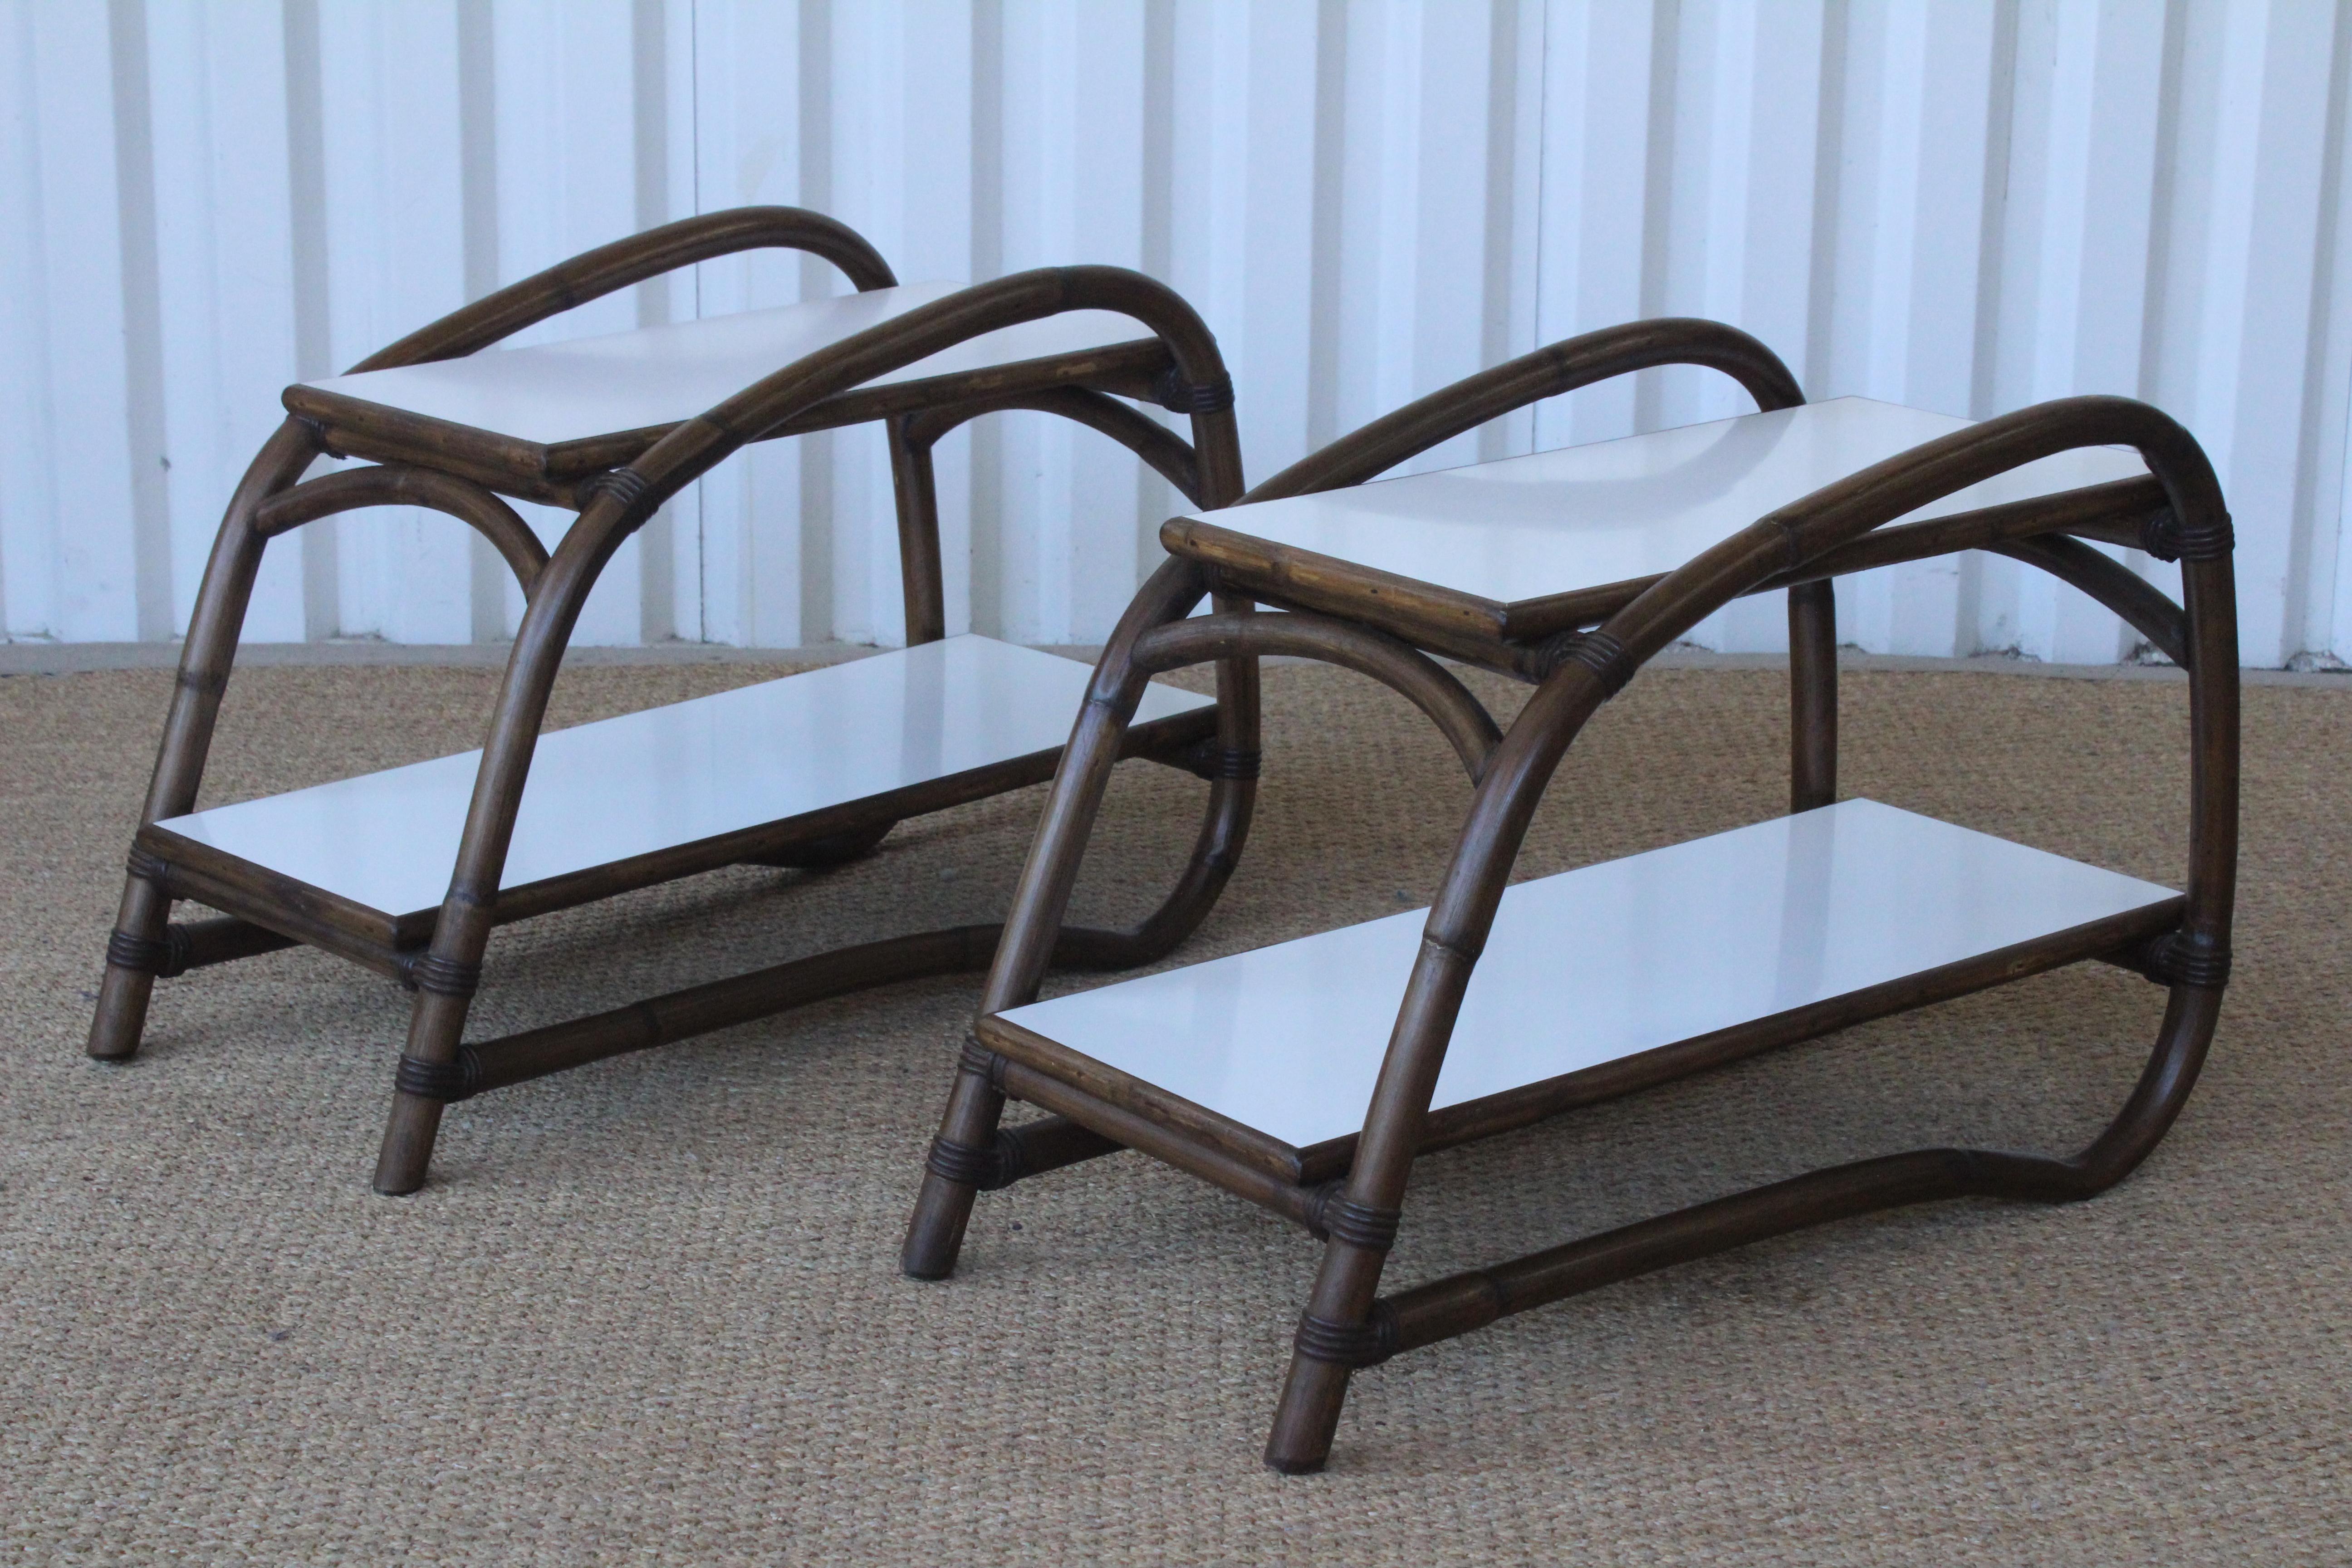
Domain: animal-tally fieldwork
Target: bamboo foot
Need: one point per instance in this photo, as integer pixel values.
(935, 1234)
(408, 1151)
(1307, 1418)
(122, 1017)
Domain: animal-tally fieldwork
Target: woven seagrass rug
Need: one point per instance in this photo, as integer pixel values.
(647, 1311)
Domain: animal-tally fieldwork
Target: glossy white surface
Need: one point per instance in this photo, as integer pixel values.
(676, 774)
(569, 391)
(1589, 965)
(1577, 517)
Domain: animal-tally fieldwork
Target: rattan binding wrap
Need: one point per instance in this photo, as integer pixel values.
(162, 959)
(446, 1083)
(441, 976)
(2164, 538)
(1181, 396)
(1339, 1217)
(1368, 1343)
(2172, 960)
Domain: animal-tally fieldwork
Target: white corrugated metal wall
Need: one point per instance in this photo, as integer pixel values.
(1968, 204)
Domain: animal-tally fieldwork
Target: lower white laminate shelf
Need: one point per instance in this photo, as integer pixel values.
(1593, 965)
(635, 786)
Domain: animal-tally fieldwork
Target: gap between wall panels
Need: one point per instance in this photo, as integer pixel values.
(1965, 204)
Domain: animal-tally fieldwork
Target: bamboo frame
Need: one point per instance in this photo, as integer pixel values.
(615, 484)
(1578, 650)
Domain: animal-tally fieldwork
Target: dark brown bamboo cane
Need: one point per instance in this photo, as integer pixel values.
(1563, 367)
(402, 484)
(1468, 727)
(1460, 1303)
(1154, 442)
(1812, 692)
(593, 274)
(450, 972)
(2132, 597)
(921, 577)
(975, 1103)
(913, 436)
(136, 951)
(1338, 1329)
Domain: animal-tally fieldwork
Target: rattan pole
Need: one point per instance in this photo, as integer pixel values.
(1812, 692)
(134, 951)
(921, 577)
(944, 1207)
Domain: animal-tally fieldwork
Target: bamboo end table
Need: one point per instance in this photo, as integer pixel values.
(407, 872)
(1308, 1077)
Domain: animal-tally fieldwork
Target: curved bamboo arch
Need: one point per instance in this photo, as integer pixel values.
(1170, 457)
(1548, 371)
(403, 484)
(913, 436)
(593, 274)
(2131, 597)
(1468, 727)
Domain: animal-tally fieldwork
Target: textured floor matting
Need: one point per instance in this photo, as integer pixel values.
(647, 1311)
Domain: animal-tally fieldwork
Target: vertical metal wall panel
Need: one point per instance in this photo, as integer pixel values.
(74, 558)
(1605, 134)
(1906, 235)
(1068, 167)
(750, 61)
(224, 227)
(567, 136)
(392, 131)
(1741, 248)
(1240, 202)
(1965, 205)
(901, 174)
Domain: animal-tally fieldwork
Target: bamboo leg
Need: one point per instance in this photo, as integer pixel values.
(920, 576)
(1334, 1336)
(448, 976)
(1338, 1332)
(435, 1026)
(1340, 1329)
(135, 952)
(967, 1128)
(1812, 695)
(139, 928)
(943, 1208)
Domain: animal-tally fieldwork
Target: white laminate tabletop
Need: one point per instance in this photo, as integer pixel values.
(676, 774)
(1580, 516)
(1589, 965)
(552, 393)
